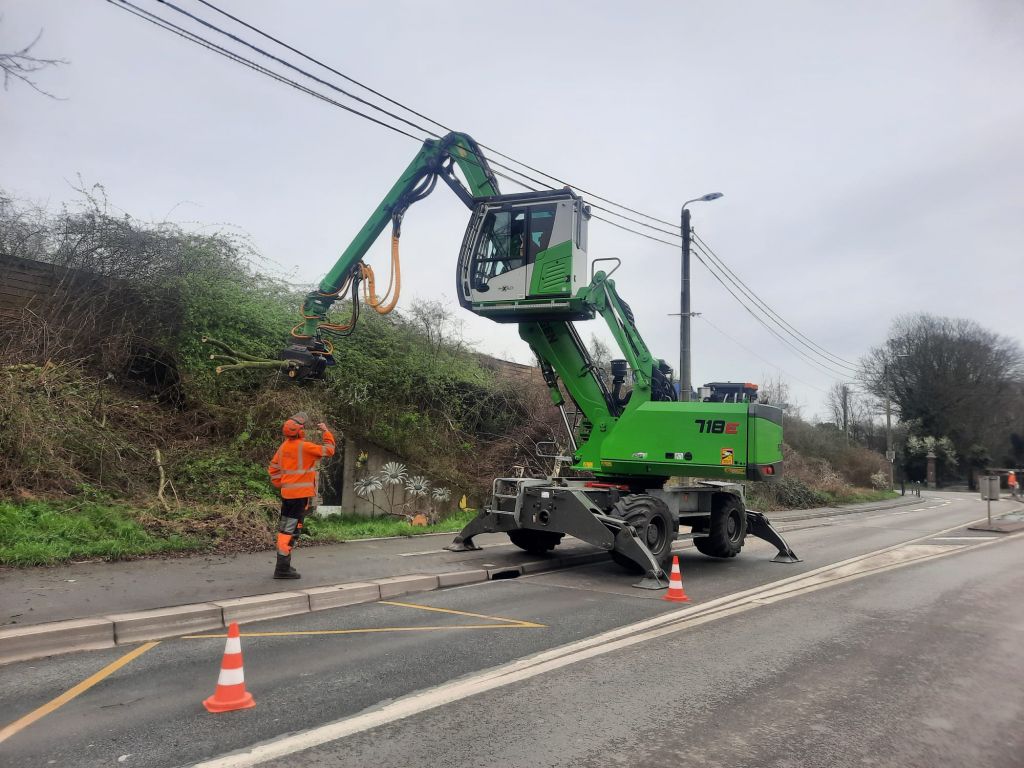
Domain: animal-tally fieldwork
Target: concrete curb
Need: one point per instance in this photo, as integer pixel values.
(56, 637)
(163, 622)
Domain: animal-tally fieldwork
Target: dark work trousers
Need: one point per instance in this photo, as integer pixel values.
(289, 527)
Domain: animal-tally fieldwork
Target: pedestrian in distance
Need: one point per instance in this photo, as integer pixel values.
(293, 472)
(1013, 484)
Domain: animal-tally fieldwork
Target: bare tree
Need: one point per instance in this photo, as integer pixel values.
(22, 65)
(853, 413)
(601, 354)
(951, 377)
(440, 327)
(775, 391)
(838, 403)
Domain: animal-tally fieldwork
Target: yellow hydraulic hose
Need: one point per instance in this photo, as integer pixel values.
(382, 305)
(389, 300)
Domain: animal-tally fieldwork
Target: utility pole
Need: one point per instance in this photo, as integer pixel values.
(685, 383)
(890, 454)
(684, 312)
(846, 411)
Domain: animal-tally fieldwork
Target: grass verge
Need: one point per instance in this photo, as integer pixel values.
(348, 527)
(860, 495)
(46, 533)
(51, 532)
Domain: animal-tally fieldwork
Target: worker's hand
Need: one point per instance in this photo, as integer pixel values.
(322, 427)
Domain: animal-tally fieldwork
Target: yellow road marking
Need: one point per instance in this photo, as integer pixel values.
(462, 613)
(368, 630)
(506, 623)
(67, 696)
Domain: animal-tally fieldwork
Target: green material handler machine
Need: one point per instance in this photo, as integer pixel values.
(524, 260)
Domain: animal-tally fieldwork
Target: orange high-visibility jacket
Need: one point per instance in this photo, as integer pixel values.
(1011, 480)
(293, 468)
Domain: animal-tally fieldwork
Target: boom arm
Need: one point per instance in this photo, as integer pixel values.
(563, 355)
(434, 160)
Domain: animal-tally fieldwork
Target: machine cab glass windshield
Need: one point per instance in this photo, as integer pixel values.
(509, 240)
(525, 253)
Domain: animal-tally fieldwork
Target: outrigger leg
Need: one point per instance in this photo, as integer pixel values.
(758, 525)
(629, 544)
(486, 521)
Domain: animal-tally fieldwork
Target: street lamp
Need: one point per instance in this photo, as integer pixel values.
(684, 298)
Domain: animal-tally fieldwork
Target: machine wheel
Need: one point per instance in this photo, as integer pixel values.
(726, 531)
(654, 525)
(535, 542)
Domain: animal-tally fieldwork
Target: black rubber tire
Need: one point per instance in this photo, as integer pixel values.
(727, 529)
(535, 542)
(654, 524)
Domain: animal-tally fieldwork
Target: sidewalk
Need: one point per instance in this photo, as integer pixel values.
(37, 595)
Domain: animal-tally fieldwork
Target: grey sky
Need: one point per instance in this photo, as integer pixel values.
(870, 153)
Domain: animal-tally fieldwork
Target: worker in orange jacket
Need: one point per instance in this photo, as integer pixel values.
(293, 471)
(1013, 484)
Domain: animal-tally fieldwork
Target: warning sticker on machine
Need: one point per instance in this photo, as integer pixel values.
(727, 455)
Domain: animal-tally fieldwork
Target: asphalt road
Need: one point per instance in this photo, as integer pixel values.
(907, 658)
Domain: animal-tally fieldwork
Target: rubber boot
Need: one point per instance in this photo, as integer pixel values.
(284, 568)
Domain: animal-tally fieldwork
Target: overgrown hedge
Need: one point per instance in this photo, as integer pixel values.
(93, 394)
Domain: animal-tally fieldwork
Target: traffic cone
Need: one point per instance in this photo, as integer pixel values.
(230, 693)
(675, 592)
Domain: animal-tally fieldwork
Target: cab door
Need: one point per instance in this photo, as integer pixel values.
(498, 267)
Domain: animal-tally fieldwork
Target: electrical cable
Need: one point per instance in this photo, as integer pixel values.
(744, 347)
(193, 37)
(291, 66)
(703, 259)
(440, 125)
(698, 253)
(736, 279)
(135, 10)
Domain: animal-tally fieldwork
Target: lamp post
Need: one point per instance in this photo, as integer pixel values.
(684, 298)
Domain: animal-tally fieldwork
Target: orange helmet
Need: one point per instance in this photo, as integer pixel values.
(293, 427)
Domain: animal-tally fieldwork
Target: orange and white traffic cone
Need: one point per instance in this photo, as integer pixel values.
(230, 693)
(675, 592)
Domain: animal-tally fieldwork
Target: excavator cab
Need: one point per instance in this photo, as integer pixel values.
(524, 257)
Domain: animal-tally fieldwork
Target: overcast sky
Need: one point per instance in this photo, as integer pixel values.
(870, 153)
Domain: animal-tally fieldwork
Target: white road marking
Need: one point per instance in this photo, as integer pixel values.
(889, 558)
(964, 538)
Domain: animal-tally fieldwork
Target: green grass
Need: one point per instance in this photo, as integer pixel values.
(347, 527)
(51, 532)
(859, 495)
(45, 533)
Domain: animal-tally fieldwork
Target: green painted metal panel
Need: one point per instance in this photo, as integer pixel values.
(672, 438)
(552, 271)
(765, 441)
(661, 439)
(553, 341)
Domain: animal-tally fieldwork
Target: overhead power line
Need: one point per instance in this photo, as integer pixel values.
(738, 281)
(743, 346)
(152, 18)
(378, 108)
(706, 260)
(710, 266)
(422, 116)
(762, 307)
